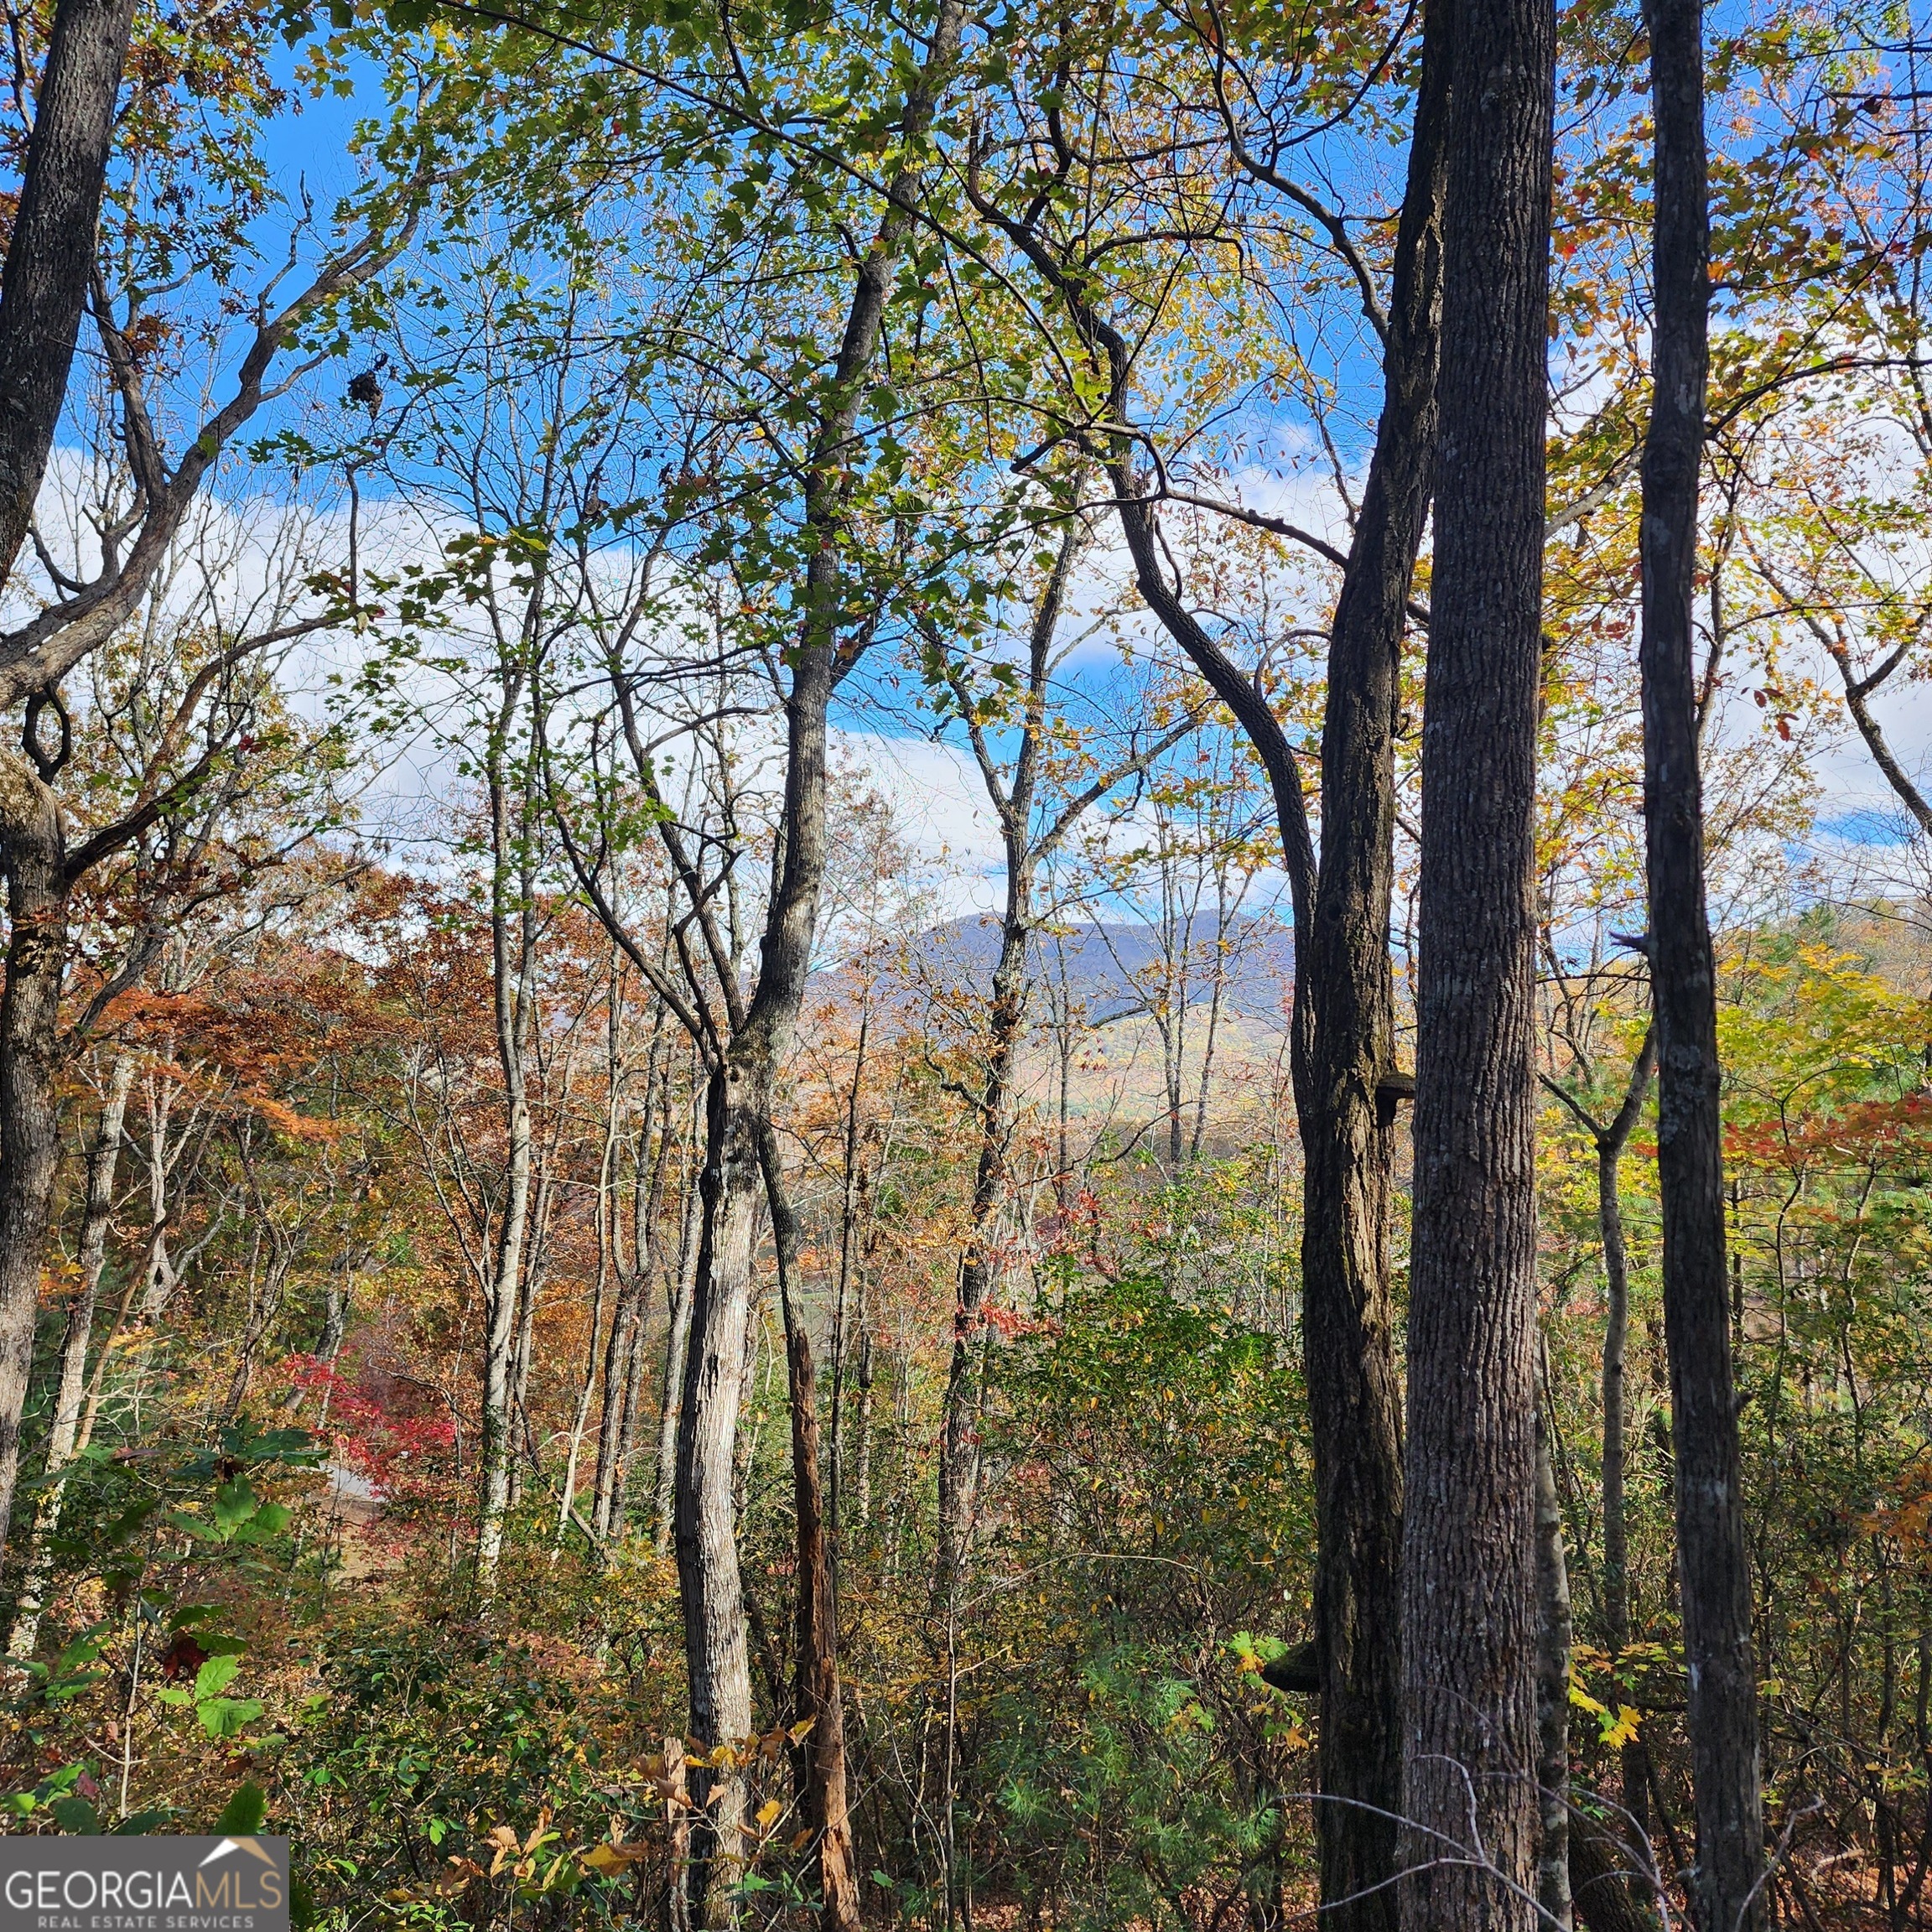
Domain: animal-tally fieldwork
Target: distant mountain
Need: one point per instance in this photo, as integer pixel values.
(1111, 970)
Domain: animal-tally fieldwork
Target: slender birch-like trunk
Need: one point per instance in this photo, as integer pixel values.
(71, 1388)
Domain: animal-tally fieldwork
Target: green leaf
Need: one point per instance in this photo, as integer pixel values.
(76, 1817)
(235, 1504)
(227, 1716)
(214, 1676)
(242, 1816)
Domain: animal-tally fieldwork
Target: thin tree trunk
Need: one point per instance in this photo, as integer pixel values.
(71, 1390)
(851, 1200)
(1026, 848)
(264, 1306)
(1468, 1569)
(1610, 1145)
(97, 1382)
(335, 1315)
(1552, 1692)
(32, 849)
(648, 1259)
(1712, 1563)
(620, 1352)
(513, 997)
(677, 1346)
(978, 1268)
(600, 1288)
(862, 1457)
(1609, 1139)
(536, 1272)
(51, 254)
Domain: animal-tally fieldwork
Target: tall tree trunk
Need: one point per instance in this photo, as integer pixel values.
(71, 1389)
(1342, 1045)
(1712, 1565)
(1026, 847)
(512, 938)
(826, 1814)
(704, 1519)
(978, 1270)
(1346, 1098)
(744, 1076)
(851, 1201)
(32, 850)
(51, 254)
(620, 1346)
(1468, 1569)
(1552, 1691)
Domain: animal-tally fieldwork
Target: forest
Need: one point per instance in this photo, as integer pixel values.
(966, 965)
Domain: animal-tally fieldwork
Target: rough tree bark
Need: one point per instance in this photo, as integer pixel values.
(1345, 1084)
(33, 850)
(1712, 1565)
(50, 253)
(1347, 1099)
(1468, 1576)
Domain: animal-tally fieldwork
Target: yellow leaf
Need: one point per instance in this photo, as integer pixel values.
(1623, 1729)
(767, 1812)
(609, 1858)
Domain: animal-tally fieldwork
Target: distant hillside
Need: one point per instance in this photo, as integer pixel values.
(1110, 970)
